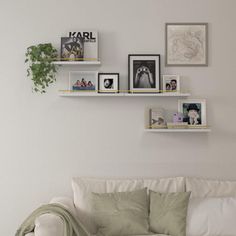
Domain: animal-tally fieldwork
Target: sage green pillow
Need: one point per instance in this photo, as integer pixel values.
(168, 213)
(121, 213)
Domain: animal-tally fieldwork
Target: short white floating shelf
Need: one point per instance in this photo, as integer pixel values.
(94, 94)
(196, 130)
(77, 63)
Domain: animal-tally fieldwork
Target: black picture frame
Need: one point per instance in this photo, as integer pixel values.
(153, 68)
(100, 90)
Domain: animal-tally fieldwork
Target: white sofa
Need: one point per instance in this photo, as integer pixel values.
(212, 206)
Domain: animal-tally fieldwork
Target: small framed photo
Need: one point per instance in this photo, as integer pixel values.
(194, 111)
(157, 118)
(72, 49)
(108, 82)
(144, 73)
(186, 44)
(83, 81)
(171, 83)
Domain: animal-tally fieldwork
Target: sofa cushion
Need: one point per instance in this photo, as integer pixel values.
(210, 188)
(83, 187)
(122, 213)
(211, 217)
(168, 212)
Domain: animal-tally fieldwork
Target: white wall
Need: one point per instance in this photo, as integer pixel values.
(46, 139)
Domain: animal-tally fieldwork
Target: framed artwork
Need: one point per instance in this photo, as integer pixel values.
(186, 44)
(83, 81)
(108, 82)
(157, 118)
(194, 111)
(72, 49)
(171, 83)
(144, 73)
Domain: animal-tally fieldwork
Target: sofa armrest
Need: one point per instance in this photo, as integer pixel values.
(52, 225)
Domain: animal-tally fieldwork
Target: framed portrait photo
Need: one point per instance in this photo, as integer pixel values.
(144, 73)
(171, 84)
(108, 82)
(186, 44)
(72, 49)
(81, 81)
(194, 111)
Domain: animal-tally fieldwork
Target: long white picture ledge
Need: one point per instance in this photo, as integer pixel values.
(94, 94)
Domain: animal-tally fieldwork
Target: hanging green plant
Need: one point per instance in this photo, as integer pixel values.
(41, 70)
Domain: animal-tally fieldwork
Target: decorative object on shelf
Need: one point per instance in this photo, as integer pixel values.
(177, 125)
(186, 44)
(108, 82)
(90, 39)
(72, 49)
(83, 81)
(194, 111)
(177, 117)
(171, 84)
(144, 73)
(157, 118)
(41, 69)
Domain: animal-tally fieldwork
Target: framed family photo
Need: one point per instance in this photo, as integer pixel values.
(144, 73)
(171, 84)
(81, 81)
(194, 111)
(108, 82)
(186, 44)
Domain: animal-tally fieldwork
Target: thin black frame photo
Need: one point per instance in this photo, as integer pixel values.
(144, 73)
(118, 83)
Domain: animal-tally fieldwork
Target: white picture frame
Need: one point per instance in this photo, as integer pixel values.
(83, 81)
(171, 84)
(197, 107)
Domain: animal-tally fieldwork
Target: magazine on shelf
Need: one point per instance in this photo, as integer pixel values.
(90, 43)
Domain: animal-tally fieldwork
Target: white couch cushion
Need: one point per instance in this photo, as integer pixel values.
(210, 188)
(211, 217)
(83, 187)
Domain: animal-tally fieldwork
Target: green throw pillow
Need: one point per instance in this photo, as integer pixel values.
(168, 213)
(121, 213)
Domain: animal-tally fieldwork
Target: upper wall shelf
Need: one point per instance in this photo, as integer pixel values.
(65, 93)
(63, 63)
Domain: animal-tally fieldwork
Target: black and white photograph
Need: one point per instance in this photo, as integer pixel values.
(108, 82)
(186, 44)
(72, 49)
(157, 118)
(194, 111)
(171, 84)
(83, 81)
(144, 73)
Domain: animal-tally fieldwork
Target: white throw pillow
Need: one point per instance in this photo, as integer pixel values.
(83, 187)
(210, 188)
(211, 217)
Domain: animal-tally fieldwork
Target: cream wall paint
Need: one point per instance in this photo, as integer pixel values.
(46, 139)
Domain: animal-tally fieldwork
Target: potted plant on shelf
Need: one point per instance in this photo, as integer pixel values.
(41, 69)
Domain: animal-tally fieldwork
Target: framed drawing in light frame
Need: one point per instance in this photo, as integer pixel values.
(144, 73)
(186, 44)
(194, 111)
(171, 84)
(82, 81)
(108, 82)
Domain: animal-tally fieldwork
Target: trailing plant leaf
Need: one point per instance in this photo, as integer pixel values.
(41, 70)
